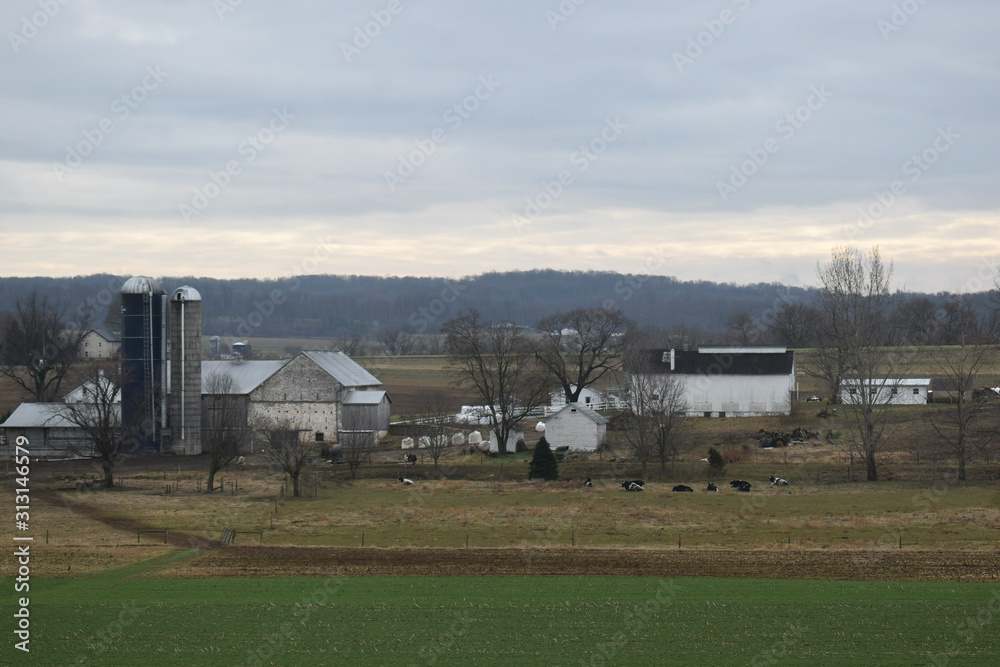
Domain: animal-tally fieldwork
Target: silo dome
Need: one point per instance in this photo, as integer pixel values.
(142, 285)
(185, 293)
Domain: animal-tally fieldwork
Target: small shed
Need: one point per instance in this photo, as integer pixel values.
(890, 391)
(512, 439)
(577, 427)
(367, 410)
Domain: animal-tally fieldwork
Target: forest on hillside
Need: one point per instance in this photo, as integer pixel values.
(329, 306)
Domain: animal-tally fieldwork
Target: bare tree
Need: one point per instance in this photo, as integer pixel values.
(396, 341)
(497, 362)
(283, 447)
(856, 302)
(964, 368)
(434, 423)
(39, 345)
(792, 324)
(99, 415)
(654, 428)
(742, 327)
(581, 346)
(358, 438)
(225, 427)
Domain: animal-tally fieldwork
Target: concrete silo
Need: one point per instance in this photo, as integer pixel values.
(142, 354)
(185, 372)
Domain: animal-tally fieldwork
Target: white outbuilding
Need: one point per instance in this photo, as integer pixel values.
(577, 427)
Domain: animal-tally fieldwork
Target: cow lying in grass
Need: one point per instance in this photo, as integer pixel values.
(777, 481)
(712, 487)
(633, 485)
(740, 485)
(680, 488)
(405, 482)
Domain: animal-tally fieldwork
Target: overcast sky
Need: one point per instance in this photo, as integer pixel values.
(735, 140)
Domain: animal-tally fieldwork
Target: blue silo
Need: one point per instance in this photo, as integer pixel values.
(144, 305)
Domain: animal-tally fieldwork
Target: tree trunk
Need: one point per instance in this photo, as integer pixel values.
(961, 466)
(211, 481)
(295, 485)
(872, 467)
(109, 479)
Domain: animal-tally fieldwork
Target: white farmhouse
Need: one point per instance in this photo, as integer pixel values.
(729, 381)
(912, 391)
(577, 427)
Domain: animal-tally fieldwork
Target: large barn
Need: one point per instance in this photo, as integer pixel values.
(729, 381)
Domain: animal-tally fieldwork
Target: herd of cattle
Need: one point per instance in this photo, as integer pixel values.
(739, 484)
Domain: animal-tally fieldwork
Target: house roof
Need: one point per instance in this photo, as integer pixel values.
(107, 335)
(344, 369)
(723, 361)
(88, 388)
(574, 408)
(38, 415)
(247, 375)
(891, 382)
(365, 397)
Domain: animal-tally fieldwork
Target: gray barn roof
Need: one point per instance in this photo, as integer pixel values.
(344, 369)
(365, 398)
(39, 415)
(247, 375)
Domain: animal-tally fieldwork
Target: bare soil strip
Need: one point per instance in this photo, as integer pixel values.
(844, 565)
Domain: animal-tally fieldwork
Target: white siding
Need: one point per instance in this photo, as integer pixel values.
(575, 430)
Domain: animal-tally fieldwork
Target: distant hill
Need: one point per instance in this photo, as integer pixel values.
(325, 306)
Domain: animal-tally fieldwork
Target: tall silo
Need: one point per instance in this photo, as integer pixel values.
(142, 353)
(185, 371)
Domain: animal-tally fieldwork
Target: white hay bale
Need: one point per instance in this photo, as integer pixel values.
(458, 439)
(424, 442)
(475, 438)
(407, 443)
(540, 427)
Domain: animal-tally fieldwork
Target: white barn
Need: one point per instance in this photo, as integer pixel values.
(730, 381)
(577, 427)
(912, 391)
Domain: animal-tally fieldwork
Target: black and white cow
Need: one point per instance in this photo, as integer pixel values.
(411, 459)
(405, 482)
(712, 487)
(777, 481)
(241, 461)
(680, 488)
(587, 482)
(633, 485)
(741, 485)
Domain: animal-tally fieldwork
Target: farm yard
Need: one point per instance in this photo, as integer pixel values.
(474, 564)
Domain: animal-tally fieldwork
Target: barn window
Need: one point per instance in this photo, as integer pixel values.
(587, 400)
(916, 390)
(319, 436)
(708, 414)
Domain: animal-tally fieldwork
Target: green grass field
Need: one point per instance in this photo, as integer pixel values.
(122, 618)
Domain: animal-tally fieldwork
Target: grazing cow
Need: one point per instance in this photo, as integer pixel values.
(587, 482)
(633, 485)
(405, 482)
(680, 488)
(712, 487)
(241, 461)
(777, 481)
(411, 459)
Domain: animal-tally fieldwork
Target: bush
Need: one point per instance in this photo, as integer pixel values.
(543, 462)
(716, 464)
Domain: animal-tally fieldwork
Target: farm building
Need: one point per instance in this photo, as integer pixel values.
(577, 427)
(728, 381)
(99, 344)
(316, 390)
(590, 398)
(51, 434)
(913, 391)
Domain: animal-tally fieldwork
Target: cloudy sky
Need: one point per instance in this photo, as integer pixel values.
(735, 140)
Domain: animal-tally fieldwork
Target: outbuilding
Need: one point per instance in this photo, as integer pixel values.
(577, 427)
